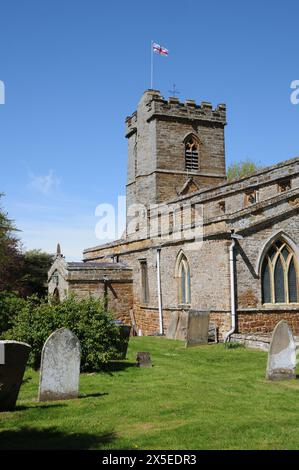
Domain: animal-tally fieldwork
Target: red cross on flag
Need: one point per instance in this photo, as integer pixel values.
(159, 49)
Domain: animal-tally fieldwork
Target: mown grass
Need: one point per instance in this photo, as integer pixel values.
(207, 397)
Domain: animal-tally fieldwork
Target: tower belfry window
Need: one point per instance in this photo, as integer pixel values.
(191, 153)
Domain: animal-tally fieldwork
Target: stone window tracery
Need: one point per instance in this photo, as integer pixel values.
(184, 279)
(279, 275)
(191, 153)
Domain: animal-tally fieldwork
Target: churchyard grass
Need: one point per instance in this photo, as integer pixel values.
(206, 397)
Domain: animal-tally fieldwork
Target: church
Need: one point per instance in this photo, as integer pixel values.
(193, 240)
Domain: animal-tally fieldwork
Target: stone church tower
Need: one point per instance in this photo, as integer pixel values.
(173, 148)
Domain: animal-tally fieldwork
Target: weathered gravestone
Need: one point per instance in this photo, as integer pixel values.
(143, 359)
(177, 327)
(282, 353)
(191, 326)
(197, 327)
(13, 360)
(60, 366)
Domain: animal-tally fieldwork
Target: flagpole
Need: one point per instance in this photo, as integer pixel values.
(152, 65)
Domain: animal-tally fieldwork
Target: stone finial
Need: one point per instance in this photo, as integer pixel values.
(58, 251)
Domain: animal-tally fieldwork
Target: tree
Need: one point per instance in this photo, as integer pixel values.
(11, 259)
(36, 265)
(243, 168)
(21, 272)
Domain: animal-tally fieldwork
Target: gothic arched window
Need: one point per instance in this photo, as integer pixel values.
(191, 153)
(184, 280)
(279, 275)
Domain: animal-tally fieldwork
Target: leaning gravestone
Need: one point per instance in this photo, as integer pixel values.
(13, 360)
(60, 366)
(282, 353)
(177, 327)
(197, 327)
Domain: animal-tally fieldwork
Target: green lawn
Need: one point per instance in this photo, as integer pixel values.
(207, 397)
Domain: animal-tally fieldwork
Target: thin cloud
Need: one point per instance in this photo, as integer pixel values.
(44, 184)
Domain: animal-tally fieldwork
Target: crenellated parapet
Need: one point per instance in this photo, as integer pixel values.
(173, 109)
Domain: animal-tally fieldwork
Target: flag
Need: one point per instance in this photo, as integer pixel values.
(160, 49)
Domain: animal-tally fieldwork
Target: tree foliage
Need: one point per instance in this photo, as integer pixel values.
(22, 272)
(35, 319)
(11, 260)
(241, 169)
(33, 279)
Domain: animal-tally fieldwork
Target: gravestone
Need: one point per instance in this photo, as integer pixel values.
(13, 360)
(197, 327)
(191, 326)
(143, 359)
(177, 327)
(282, 353)
(60, 366)
(212, 336)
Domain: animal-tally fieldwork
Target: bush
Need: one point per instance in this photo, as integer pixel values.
(98, 335)
(10, 306)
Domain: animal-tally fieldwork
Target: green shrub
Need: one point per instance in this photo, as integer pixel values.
(10, 306)
(99, 337)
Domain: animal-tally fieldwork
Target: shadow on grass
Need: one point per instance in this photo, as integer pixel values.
(52, 438)
(44, 407)
(92, 395)
(117, 366)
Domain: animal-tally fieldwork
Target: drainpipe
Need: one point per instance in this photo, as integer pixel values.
(232, 285)
(106, 280)
(159, 291)
(232, 291)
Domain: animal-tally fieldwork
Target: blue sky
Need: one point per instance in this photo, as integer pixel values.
(73, 70)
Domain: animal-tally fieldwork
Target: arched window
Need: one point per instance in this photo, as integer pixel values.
(191, 153)
(279, 275)
(183, 279)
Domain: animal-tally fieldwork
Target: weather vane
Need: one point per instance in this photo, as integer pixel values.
(174, 91)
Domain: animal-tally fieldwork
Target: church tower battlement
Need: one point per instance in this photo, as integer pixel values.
(173, 148)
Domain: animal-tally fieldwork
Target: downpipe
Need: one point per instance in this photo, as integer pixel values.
(159, 291)
(232, 291)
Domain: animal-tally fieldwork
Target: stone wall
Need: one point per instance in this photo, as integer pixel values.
(111, 282)
(263, 322)
(119, 296)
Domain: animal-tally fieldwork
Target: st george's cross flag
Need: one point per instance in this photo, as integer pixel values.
(159, 49)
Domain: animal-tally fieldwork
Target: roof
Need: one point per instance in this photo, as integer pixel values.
(95, 266)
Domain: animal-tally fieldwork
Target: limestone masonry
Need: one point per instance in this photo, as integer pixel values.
(176, 162)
